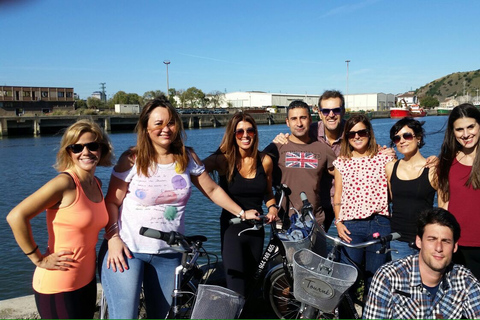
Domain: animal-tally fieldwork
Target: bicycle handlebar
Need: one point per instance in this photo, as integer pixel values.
(172, 237)
(307, 209)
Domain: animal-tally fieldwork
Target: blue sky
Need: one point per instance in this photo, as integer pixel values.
(272, 46)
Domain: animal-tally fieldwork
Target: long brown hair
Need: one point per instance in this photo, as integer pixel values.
(346, 149)
(229, 147)
(146, 155)
(450, 148)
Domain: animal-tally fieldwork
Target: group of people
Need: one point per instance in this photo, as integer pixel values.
(347, 176)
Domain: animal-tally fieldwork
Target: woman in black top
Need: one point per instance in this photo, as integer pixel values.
(246, 175)
(412, 185)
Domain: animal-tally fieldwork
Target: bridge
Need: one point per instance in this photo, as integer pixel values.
(36, 125)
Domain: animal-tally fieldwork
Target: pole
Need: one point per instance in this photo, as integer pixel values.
(347, 61)
(167, 62)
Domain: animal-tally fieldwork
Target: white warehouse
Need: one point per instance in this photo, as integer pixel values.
(353, 102)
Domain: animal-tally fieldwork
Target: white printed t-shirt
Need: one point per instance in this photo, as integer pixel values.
(157, 202)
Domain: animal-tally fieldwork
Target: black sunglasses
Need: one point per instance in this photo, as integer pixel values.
(78, 147)
(240, 132)
(336, 111)
(406, 136)
(361, 133)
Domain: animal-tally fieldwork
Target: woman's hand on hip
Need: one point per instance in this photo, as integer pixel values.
(56, 261)
(343, 232)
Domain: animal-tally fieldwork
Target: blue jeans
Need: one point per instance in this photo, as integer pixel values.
(363, 230)
(122, 289)
(403, 249)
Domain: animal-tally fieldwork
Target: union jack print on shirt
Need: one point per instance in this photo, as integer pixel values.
(301, 160)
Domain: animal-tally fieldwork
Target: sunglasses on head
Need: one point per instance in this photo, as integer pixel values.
(361, 133)
(78, 147)
(240, 132)
(406, 136)
(336, 111)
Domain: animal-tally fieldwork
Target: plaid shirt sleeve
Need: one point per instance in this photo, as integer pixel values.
(378, 301)
(472, 303)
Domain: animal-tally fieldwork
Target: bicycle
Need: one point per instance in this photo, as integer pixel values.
(191, 296)
(277, 257)
(320, 284)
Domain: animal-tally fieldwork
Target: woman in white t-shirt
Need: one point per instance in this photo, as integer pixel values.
(150, 186)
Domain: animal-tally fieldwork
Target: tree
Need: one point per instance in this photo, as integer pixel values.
(152, 94)
(80, 104)
(95, 103)
(429, 102)
(121, 97)
(182, 97)
(194, 96)
(216, 98)
(171, 97)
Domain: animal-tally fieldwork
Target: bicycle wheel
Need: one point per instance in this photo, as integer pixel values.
(280, 296)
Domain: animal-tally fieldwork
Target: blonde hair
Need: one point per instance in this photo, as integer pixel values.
(146, 155)
(71, 136)
(229, 147)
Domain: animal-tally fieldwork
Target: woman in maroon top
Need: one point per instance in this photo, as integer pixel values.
(459, 180)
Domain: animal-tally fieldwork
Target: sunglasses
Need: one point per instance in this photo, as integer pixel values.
(336, 111)
(78, 147)
(361, 133)
(406, 136)
(240, 132)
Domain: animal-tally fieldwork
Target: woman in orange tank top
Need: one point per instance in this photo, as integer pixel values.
(64, 281)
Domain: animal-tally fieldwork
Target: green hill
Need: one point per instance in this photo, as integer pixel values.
(459, 83)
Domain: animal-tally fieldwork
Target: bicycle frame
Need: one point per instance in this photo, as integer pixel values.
(191, 249)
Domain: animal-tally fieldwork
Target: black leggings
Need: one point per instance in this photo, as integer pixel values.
(78, 304)
(241, 255)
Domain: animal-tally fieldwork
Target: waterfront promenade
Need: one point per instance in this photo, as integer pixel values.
(36, 125)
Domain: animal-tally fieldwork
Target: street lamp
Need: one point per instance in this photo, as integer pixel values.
(167, 62)
(347, 61)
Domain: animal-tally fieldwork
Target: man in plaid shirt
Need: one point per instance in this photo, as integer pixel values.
(426, 285)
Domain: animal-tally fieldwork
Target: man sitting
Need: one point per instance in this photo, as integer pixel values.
(426, 285)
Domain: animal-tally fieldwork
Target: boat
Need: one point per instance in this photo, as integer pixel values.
(417, 111)
(399, 112)
(444, 111)
(402, 110)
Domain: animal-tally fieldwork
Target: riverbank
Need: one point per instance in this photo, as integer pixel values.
(25, 307)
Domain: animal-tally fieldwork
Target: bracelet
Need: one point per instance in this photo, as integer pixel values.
(241, 215)
(272, 205)
(335, 221)
(33, 251)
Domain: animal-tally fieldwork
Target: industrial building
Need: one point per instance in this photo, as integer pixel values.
(353, 102)
(17, 101)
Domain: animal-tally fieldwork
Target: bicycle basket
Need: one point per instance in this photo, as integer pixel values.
(292, 246)
(215, 302)
(320, 282)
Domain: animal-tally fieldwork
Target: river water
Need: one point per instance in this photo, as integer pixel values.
(26, 164)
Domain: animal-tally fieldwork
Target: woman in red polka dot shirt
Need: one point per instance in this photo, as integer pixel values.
(361, 195)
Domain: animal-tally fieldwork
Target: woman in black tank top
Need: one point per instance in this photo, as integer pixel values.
(246, 175)
(411, 183)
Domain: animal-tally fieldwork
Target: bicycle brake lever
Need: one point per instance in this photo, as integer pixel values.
(254, 228)
(384, 250)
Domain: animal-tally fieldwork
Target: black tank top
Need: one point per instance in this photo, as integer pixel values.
(410, 198)
(247, 193)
